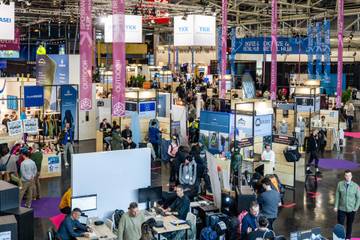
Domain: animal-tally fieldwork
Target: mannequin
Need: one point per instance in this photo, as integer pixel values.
(300, 135)
(283, 127)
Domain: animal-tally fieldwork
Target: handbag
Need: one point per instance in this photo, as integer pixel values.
(292, 155)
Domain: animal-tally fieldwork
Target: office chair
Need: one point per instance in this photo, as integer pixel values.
(51, 234)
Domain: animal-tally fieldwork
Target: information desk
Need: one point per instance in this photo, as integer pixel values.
(100, 232)
(169, 227)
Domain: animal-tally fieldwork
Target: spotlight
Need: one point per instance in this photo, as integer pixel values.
(185, 16)
(351, 36)
(213, 10)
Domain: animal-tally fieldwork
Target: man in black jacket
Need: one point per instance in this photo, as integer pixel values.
(312, 149)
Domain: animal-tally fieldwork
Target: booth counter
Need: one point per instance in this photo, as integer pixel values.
(51, 166)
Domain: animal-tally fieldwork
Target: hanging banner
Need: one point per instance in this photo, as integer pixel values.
(310, 51)
(119, 61)
(133, 29)
(223, 48)
(7, 21)
(219, 49)
(13, 45)
(33, 96)
(340, 52)
(31, 126)
(233, 51)
(327, 52)
(68, 107)
(15, 128)
(194, 30)
(274, 50)
(86, 48)
(318, 51)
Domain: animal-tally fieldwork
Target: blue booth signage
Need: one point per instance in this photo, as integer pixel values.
(33, 96)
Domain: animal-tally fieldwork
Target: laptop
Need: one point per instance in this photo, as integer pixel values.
(83, 219)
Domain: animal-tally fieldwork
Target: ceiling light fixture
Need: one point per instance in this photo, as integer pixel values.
(185, 16)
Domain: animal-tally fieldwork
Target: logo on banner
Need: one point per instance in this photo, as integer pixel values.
(5, 20)
(119, 109)
(205, 29)
(62, 63)
(130, 28)
(183, 29)
(85, 104)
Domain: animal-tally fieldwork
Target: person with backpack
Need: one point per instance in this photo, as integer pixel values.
(262, 232)
(269, 201)
(188, 175)
(248, 220)
(154, 137)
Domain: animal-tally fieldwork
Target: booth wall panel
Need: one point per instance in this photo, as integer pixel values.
(114, 176)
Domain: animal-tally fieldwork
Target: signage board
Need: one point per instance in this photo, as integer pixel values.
(133, 29)
(147, 109)
(33, 96)
(31, 126)
(7, 21)
(15, 127)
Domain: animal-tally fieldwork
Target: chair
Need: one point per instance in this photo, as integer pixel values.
(51, 234)
(57, 220)
(191, 218)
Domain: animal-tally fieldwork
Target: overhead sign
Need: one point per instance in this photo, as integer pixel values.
(147, 109)
(195, 30)
(261, 45)
(31, 126)
(7, 21)
(133, 29)
(244, 125)
(33, 96)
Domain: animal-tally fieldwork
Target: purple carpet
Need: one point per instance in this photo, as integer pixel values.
(330, 163)
(45, 207)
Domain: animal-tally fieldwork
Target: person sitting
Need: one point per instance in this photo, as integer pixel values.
(248, 223)
(130, 223)
(126, 133)
(105, 127)
(129, 144)
(262, 232)
(71, 228)
(65, 202)
(181, 206)
(116, 141)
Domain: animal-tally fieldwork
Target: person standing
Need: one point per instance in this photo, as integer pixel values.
(268, 155)
(37, 157)
(154, 137)
(350, 113)
(269, 202)
(130, 223)
(312, 149)
(28, 173)
(174, 166)
(67, 142)
(347, 202)
(249, 221)
(5, 120)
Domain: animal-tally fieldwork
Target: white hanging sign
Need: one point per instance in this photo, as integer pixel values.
(7, 21)
(133, 29)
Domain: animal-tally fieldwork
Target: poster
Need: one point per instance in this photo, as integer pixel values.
(147, 109)
(176, 129)
(263, 125)
(244, 125)
(51, 69)
(68, 107)
(274, 22)
(33, 96)
(31, 126)
(5, 235)
(54, 164)
(12, 102)
(15, 128)
(11, 45)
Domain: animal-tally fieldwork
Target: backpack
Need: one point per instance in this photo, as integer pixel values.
(3, 166)
(208, 234)
(116, 218)
(240, 218)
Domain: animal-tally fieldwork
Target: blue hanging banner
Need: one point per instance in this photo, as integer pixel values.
(261, 45)
(233, 51)
(219, 49)
(69, 96)
(310, 51)
(33, 96)
(327, 51)
(318, 50)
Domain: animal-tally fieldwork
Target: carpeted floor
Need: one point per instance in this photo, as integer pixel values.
(46, 207)
(332, 163)
(352, 134)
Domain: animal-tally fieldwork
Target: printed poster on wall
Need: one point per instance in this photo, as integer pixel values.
(147, 109)
(11, 45)
(31, 126)
(263, 125)
(5, 235)
(244, 124)
(54, 164)
(69, 107)
(15, 128)
(51, 69)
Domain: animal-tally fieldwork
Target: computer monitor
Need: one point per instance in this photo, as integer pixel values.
(149, 194)
(85, 203)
